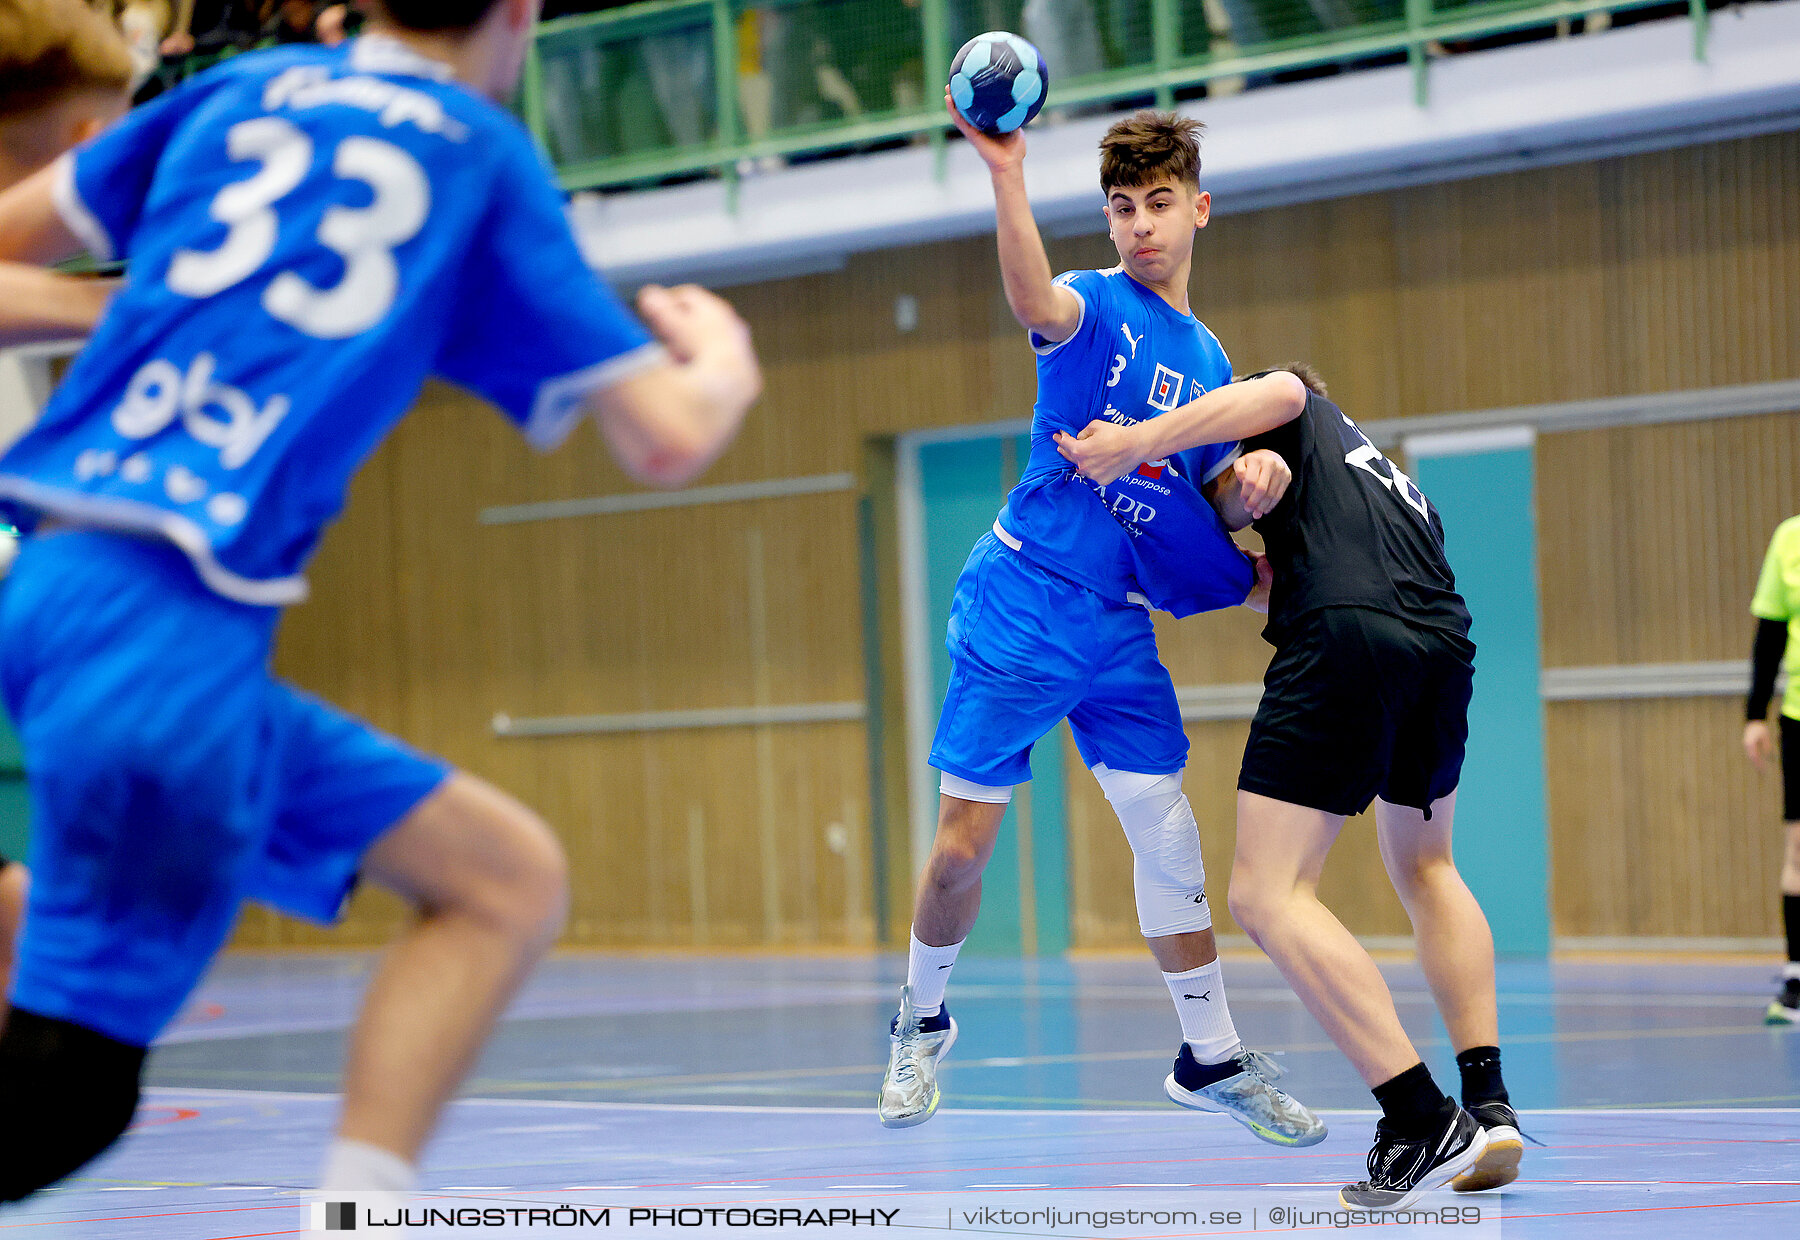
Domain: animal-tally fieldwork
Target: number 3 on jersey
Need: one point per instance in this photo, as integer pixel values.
(364, 237)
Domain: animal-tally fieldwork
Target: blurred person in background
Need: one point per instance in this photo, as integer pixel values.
(292, 21)
(1776, 607)
(209, 26)
(145, 24)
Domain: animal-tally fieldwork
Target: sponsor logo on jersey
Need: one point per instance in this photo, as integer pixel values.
(217, 414)
(1165, 388)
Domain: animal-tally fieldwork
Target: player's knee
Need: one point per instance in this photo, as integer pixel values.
(1413, 874)
(540, 884)
(1169, 874)
(525, 892)
(1254, 906)
(66, 1093)
(956, 863)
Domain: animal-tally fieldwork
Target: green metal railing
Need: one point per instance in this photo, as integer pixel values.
(673, 88)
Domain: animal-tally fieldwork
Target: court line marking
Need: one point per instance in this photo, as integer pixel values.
(622, 1084)
(857, 992)
(1130, 1112)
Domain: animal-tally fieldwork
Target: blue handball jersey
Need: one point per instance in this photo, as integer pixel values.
(311, 233)
(1132, 357)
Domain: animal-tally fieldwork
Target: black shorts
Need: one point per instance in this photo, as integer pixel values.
(1357, 703)
(1790, 769)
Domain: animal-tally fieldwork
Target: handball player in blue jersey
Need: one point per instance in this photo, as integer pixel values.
(1051, 616)
(310, 233)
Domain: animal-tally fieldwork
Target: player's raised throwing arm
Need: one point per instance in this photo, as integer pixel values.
(668, 423)
(1105, 452)
(1040, 305)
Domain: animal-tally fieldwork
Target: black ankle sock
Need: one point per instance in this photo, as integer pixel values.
(1790, 913)
(1411, 1103)
(1481, 1081)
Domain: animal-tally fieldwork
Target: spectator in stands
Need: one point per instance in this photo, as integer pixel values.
(594, 89)
(338, 22)
(213, 26)
(305, 21)
(1067, 34)
(293, 21)
(145, 24)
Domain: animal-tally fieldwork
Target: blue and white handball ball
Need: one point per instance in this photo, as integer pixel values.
(998, 81)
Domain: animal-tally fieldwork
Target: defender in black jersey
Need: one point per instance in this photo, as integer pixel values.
(1366, 699)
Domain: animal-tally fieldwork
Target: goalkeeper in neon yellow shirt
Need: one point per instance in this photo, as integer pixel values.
(1777, 611)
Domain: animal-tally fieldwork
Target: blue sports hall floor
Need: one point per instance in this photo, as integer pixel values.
(1664, 1105)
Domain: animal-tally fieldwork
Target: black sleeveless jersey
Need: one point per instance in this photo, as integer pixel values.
(1352, 530)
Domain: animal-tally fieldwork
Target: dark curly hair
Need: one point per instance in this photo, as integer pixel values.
(1308, 375)
(1147, 147)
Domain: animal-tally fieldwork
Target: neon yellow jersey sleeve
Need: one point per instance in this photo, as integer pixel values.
(1778, 589)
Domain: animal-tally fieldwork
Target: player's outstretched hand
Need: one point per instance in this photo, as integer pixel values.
(1258, 598)
(997, 151)
(1103, 453)
(1263, 478)
(667, 423)
(1759, 746)
(690, 321)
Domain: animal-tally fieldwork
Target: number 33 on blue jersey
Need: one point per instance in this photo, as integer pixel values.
(364, 237)
(311, 233)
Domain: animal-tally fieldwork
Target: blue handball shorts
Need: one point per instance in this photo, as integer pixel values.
(1028, 648)
(172, 777)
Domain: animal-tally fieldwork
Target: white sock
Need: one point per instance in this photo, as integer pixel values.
(928, 972)
(372, 1179)
(1199, 996)
(1792, 970)
(358, 1167)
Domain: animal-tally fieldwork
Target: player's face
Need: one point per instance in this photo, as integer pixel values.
(1153, 226)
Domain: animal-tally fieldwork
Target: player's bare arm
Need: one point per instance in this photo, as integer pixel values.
(38, 305)
(31, 228)
(1040, 305)
(1250, 489)
(668, 423)
(1104, 452)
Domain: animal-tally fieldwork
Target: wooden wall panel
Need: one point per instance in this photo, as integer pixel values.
(1659, 826)
(1648, 273)
(1651, 537)
(1702, 263)
(718, 837)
